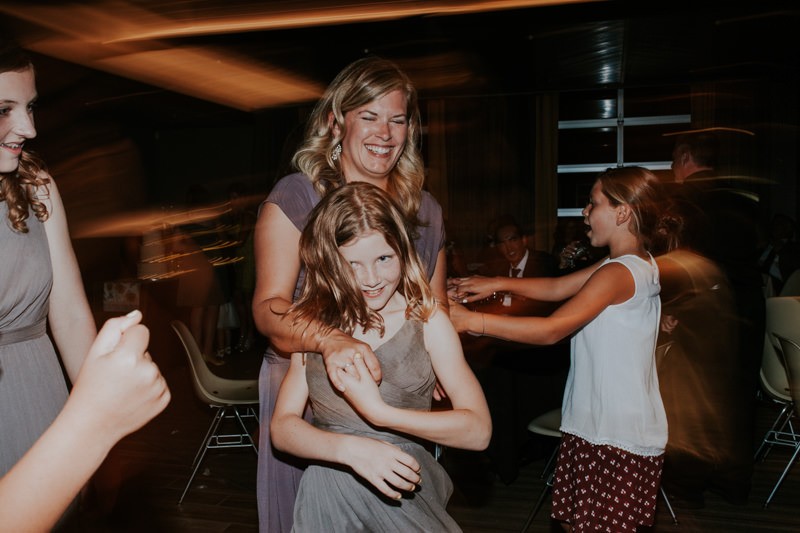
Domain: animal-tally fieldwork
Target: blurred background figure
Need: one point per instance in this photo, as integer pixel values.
(720, 231)
(242, 221)
(201, 287)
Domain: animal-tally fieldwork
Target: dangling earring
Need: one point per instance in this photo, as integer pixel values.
(337, 151)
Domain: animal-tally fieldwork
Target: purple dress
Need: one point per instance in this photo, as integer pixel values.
(278, 473)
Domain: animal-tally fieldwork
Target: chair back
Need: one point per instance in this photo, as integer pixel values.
(209, 387)
(792, 285)
(790, 350)
(783, 318)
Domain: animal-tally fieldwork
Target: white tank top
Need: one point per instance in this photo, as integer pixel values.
(612, 394)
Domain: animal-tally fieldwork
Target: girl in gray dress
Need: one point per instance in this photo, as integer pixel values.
(364, 278)
(40, 283)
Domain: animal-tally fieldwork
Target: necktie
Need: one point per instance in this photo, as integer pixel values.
(515, 272)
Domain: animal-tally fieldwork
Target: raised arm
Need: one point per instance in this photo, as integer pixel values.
(118, 390)
(557, 289)
(468, 425)
(277, 255)
(383, 465)
(609, 285)
(70, 317)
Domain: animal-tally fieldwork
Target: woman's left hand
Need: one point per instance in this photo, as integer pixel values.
(361, 390)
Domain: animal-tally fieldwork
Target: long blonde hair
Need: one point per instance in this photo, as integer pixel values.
(18, 188)
(358, 84)
(330, 293)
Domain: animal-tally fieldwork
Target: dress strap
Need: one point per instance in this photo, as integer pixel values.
(34, 331)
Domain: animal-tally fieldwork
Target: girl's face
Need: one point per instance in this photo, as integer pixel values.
(376, 136)
(17, 95)
(600, 216)
(376, 267)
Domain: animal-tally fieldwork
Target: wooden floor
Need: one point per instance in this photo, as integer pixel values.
(139, 486)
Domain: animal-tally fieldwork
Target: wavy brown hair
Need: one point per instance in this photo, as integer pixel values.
(331, 293)
(18, 188)
(652, 219)
(358, 84)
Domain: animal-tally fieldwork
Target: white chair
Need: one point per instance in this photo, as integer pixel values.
(233, 399)
(782, 318)
(792, 285)
(790, 350)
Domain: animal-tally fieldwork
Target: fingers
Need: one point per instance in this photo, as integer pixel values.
(135, 341)
(400, 478)
(438, 392)
(373, 366)
(109, 335)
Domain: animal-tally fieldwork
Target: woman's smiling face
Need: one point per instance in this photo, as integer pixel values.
(17, 96)
(375, 137)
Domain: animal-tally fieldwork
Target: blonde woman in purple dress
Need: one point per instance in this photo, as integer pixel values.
(366, 127)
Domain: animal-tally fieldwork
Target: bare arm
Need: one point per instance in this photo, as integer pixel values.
(611, 284)
(439, 279)
(118, 390)
(385, 466)
(468, 425)
(277, 254)
(70, 317)
(556, 289)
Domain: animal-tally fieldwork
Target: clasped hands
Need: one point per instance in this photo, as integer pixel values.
(384, 465)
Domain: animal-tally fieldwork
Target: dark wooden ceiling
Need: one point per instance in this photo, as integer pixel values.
(573, 46)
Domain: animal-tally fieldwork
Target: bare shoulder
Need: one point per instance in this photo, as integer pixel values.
(614, 280)
(439, 319)
(438, 327)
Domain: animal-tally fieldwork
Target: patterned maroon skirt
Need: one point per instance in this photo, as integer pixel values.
(603, 488)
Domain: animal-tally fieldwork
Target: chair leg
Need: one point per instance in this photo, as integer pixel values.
(669, 506)
(244, 429)
(545, 491)
(201, 453)
(783, 475)
(552, 458)
(783, 417)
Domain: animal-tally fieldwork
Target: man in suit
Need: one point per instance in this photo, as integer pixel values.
(518, 260)
(520, 381)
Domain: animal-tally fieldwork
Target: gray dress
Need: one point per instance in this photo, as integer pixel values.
(278, 473)
(32, 386)
(333, 498)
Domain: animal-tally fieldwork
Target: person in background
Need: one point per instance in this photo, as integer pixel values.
(41, 283)
(242, 219)
(518, 260)
(364, 277)
(365, 127)
(118, 390)
(613, 422)
(721, 224)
